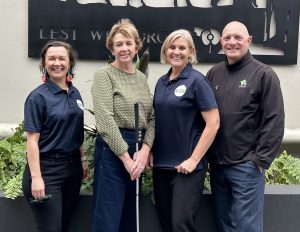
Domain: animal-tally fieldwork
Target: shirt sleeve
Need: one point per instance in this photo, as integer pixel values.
(33, 115)
(271, 127)
(150, 129)
(102, 95)
(204, 95)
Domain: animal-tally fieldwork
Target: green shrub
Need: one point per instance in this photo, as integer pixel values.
(12, 163)
(89, 147)
(284, 170)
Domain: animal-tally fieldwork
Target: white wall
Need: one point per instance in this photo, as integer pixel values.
(20, 74)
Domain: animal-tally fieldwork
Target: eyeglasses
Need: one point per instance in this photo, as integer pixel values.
(40, 201)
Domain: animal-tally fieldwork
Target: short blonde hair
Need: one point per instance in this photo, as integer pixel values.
(181, 33)
(126, 28)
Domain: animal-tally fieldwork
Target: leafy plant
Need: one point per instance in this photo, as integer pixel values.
(207, 181)
(89, 147)
(12, 163)
(142, 63)
(147, 184)
(284, 170)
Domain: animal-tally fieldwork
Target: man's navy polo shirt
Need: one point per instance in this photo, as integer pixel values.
(178, 121)
(57, 115)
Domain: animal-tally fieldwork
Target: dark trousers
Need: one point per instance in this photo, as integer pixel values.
(238, 193)
(177, 198)
(62, 177)
(114, 192)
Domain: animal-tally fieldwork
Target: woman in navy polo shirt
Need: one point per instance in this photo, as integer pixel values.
(186, 122)
(54, 130)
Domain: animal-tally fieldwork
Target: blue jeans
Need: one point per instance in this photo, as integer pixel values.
(114, 192)
(238, 193)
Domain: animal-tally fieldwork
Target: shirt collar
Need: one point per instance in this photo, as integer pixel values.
(54, 89)
(185, 73)
(241, 63)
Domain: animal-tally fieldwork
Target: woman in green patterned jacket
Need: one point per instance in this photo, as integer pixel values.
(116, 88)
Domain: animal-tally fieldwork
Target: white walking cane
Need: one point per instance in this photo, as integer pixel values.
(136, 121)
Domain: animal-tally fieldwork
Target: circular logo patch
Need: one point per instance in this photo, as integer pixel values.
(180, 90)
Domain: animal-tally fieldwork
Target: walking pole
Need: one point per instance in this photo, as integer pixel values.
(136, 119)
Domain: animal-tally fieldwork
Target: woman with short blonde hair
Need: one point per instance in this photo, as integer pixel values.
(182, 33)
(186, 122)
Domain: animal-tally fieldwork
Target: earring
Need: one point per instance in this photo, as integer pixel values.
(44, 77)
(69, 76)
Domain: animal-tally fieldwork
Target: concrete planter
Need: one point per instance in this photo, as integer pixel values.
(282, 213)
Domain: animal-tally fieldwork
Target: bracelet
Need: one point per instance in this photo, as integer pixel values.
(83, 158)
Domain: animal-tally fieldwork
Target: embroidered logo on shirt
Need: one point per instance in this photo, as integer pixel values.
(180, 90)
(243, 84)
(80, 104)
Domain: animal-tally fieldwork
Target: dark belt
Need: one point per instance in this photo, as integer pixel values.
(60, 155)
(141, 133)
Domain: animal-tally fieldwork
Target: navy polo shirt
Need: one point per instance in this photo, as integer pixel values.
(57, 115)
(178, 121)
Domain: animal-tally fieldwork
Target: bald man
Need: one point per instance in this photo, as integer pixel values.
(252, 124)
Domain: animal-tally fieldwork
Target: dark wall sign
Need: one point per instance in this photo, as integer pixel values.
(85, 26)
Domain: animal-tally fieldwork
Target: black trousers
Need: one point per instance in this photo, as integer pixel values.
(177, 198)
(62, 176)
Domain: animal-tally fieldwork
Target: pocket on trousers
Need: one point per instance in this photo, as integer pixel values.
(253, 165)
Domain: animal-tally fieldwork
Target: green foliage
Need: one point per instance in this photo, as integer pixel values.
(89, 147)
(284, 170)
(147, 185)
(12, 163)
(207, 181)
(18, 136)
(13, 187)
(142, 63)
(13, 160)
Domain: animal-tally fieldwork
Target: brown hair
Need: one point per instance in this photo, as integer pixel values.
(55, 43)
(126, 28)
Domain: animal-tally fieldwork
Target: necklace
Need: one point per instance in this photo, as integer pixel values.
(129, 71)
(132, 79)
